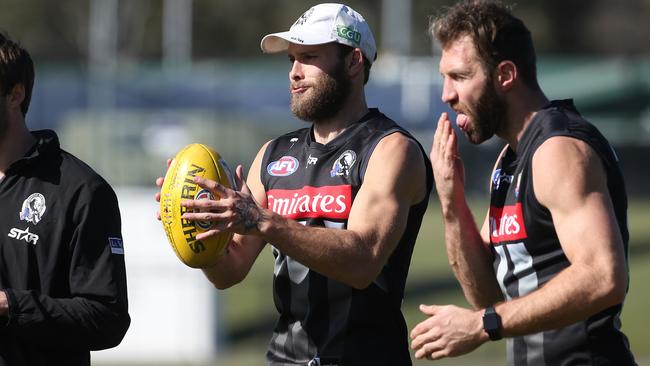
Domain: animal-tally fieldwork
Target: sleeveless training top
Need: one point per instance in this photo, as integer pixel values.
(320, 318)
(528, 253)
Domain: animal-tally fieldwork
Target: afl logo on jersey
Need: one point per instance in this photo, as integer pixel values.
(33, 208)
(343, 164)
(282, 167)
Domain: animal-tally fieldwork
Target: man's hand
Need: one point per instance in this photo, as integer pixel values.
(448, 332)
(159, 184)
(234, 211)
(448, 169)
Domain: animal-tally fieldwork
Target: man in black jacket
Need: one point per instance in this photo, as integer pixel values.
(62, 274)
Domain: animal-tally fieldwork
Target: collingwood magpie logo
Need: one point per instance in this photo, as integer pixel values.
(33, 208)
(343, 164)
(32, 211)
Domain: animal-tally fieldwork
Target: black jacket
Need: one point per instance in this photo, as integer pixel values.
(61, 260)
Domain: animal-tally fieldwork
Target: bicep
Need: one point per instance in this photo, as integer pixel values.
(578, 199)
(394, 180)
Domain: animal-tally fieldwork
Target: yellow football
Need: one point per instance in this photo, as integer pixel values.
(193, 160)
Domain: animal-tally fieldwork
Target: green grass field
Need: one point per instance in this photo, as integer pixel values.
(249, 311)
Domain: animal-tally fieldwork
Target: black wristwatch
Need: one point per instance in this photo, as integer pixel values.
(492, 323)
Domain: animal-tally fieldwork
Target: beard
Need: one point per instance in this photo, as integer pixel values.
(326, 98)
(487, 116)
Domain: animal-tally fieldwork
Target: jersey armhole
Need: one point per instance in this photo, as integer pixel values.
(265, 161)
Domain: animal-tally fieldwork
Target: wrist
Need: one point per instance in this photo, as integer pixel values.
(265, 224)
(492, 326)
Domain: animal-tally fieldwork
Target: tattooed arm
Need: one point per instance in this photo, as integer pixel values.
(244, 215)
(354, 256)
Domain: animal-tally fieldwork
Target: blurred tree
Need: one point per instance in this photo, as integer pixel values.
(58, 30)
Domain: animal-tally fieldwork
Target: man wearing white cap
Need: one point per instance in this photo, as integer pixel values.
(340, 201)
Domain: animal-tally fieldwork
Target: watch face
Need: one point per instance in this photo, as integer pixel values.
(492, 324)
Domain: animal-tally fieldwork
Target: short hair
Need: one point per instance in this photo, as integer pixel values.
(496, 33)
(345, 50)
(16, 67)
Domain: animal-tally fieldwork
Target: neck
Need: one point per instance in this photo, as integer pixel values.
(14, 144)
(521, 113)
(327, 130)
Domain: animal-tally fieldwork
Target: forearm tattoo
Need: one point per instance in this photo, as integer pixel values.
(250, 215)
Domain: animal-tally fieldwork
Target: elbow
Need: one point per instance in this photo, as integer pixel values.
(613, 288)
(617, 290)
(223, 285)
(365, 276)
(222, 282)
(360, 283)
(219, 280)
(113, 333)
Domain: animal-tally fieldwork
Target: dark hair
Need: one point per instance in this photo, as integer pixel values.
(345, 50)
(497, 34)
(16, 67)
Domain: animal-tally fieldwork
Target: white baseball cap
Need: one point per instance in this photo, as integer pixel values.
(325, 23)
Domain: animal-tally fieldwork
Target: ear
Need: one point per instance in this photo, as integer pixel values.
(356, 62)
(506, 74)
(16, 96)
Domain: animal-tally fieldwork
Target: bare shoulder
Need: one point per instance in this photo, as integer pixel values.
(400, 147)
(566, 169)
(399, 159)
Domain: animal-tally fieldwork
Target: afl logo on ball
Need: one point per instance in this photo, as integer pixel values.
(282, 167)
(203, 194)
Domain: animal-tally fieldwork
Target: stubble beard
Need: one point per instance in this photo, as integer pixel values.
(326, 96)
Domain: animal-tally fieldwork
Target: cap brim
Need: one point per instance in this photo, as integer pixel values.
(279, 42)
(275, 42)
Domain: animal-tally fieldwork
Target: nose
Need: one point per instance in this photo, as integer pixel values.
(449, 93)
(296, 73)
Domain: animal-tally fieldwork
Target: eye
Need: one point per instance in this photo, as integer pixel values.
(455, 76)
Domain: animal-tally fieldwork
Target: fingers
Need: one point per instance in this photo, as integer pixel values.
(436, 137)
(451, 146)
(436, 134)
(429, 310)
(169, 162)
(215, 188)
(207, 216)
(440, 138)
(216, 230)
(204, 205)
(422, 333)
(431, 351)
(241, 183)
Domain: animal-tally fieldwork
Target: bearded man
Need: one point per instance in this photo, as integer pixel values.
(340, 201)
(548, 269)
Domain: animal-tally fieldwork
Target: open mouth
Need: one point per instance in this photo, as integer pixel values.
(462, 121)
